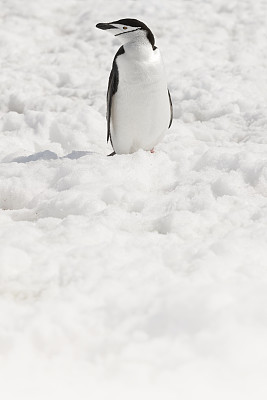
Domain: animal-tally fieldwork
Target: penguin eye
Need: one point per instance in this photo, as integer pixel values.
(125, 27)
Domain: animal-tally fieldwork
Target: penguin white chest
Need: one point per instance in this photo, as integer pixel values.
(140, 112)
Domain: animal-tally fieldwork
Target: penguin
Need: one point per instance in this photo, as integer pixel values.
(139, 105)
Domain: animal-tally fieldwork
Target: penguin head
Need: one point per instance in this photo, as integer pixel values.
(128, 30)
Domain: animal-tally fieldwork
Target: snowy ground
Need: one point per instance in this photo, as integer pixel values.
(143, 275)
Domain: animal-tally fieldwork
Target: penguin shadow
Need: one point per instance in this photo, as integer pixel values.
(50, 155)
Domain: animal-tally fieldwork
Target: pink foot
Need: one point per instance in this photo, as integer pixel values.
(152, 151)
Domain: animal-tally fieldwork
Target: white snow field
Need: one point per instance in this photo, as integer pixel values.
(139, 276)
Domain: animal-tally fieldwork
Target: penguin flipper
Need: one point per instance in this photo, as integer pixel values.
(171, 109)
(113, 78)
(112, 89)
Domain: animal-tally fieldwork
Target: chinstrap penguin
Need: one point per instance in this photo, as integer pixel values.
(139, 106)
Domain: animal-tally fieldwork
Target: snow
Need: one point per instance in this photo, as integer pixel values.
(142, 275)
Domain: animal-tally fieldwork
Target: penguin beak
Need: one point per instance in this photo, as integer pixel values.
(105, 26)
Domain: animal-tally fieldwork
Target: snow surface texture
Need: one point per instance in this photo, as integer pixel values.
(143, 275)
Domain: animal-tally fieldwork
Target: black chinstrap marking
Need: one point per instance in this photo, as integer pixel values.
(122, 33)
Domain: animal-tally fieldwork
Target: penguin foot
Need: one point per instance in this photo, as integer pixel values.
(152, 150)
(111, 154)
